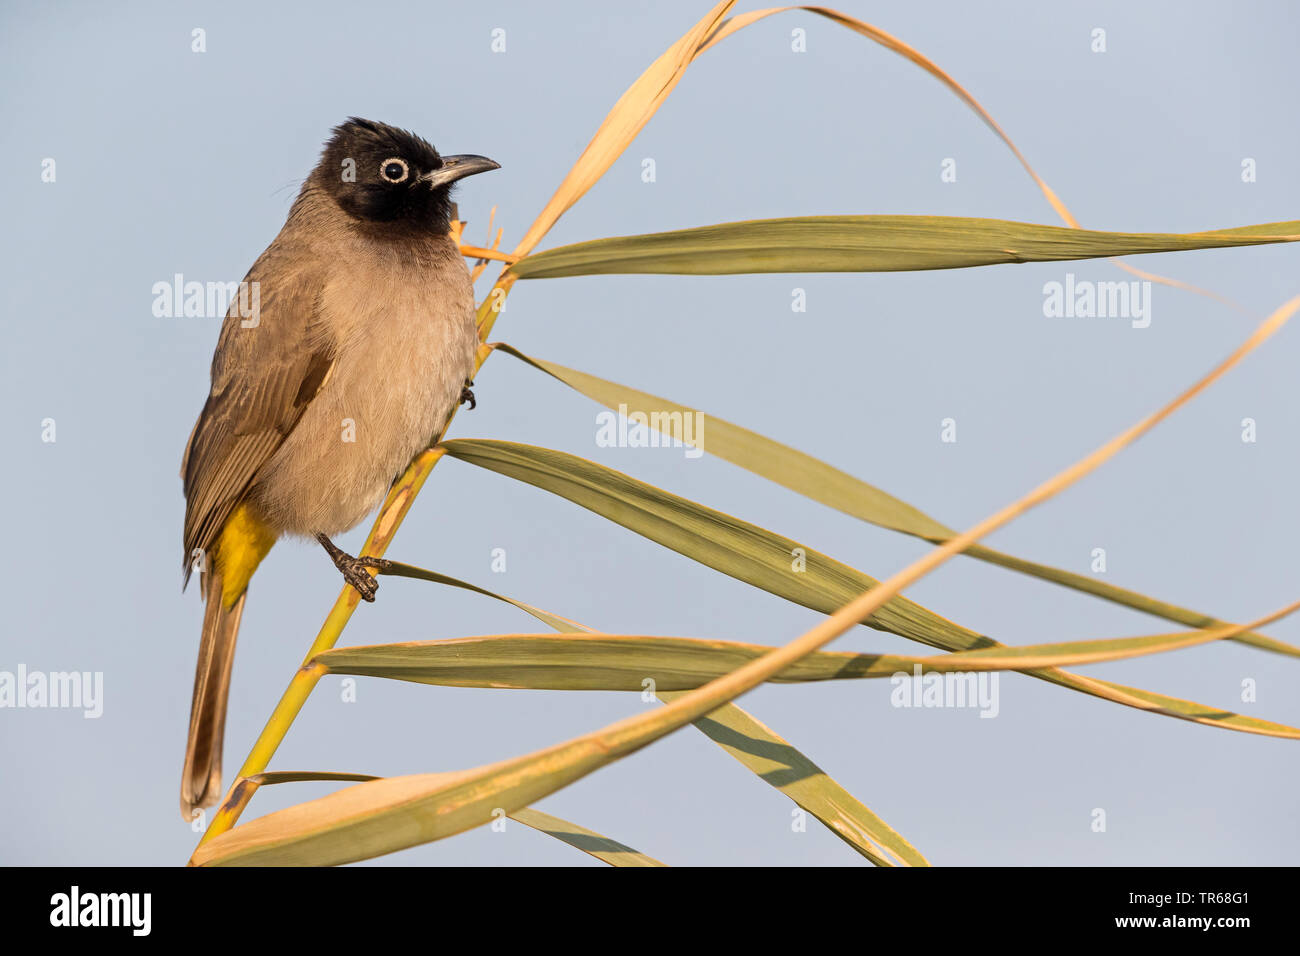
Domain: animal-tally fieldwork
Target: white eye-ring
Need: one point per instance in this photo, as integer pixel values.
(394, 170)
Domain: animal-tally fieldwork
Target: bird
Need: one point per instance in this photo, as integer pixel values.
(359, 345)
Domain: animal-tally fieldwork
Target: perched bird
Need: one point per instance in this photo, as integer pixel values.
(362, 344)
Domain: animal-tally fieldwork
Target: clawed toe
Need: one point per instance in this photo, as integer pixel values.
(354, 570)
(361, 580)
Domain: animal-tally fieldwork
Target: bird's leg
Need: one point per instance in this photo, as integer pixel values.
(467, 396)
(354, 569)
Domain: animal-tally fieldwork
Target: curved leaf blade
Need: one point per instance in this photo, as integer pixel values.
(624, 121)
(762, 558)
(837, 489)
(580, 838)
(591, 661)
(866, 244)
(634, 662)
(767, 754)
(804, 783)
(588, 841)
(397, 569)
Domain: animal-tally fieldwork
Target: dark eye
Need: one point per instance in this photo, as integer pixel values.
(394, 170)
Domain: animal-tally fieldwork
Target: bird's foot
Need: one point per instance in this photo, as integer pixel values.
(354, 570)
(467, 396)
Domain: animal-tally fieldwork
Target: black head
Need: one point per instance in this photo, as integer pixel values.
(381, 174)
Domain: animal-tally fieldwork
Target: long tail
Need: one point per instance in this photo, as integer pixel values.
(201, 782)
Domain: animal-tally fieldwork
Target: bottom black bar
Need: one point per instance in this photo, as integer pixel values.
(307, 905)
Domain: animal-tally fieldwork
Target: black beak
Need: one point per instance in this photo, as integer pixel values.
(458, 167)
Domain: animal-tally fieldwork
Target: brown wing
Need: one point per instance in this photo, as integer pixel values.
(263, 377)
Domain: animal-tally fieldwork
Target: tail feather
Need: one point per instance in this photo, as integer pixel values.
(201, 780)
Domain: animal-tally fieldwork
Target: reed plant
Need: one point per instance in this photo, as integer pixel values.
(699, 679)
